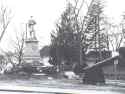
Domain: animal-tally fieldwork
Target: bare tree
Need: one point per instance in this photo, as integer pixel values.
(19, 47)
(80, 24)
(5, 19)
(14, 58)
(116, 36)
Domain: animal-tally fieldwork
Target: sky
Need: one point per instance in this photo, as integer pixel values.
(46, 13)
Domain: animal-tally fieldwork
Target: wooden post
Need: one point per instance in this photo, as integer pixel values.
(115, 68)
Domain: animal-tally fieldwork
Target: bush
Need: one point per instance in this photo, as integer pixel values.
(26, 68)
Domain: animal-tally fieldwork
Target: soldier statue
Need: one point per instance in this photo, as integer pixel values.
(31, 24)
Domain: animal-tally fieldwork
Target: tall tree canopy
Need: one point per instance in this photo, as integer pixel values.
(65, 41)
(74, 34)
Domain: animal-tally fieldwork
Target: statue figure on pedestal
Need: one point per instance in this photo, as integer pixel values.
(31, 51)
(31, 24)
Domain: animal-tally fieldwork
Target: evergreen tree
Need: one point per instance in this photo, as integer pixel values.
(65, 43)
(96, 34)
(75, 36)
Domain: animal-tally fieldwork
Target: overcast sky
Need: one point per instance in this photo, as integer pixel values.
(46, 13)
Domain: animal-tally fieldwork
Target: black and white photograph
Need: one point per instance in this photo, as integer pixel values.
(62, 47)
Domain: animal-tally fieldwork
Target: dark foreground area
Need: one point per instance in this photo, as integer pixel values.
(42, 84)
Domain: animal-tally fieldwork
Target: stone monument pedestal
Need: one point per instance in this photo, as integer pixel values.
(31, 51)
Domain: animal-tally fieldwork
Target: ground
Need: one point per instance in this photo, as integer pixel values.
(39, 84)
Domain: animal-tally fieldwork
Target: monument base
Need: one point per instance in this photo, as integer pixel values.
(31, 52)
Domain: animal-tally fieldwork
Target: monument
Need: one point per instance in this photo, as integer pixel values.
(31, 51)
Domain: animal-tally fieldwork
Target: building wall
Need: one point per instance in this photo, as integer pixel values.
(114, 72)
